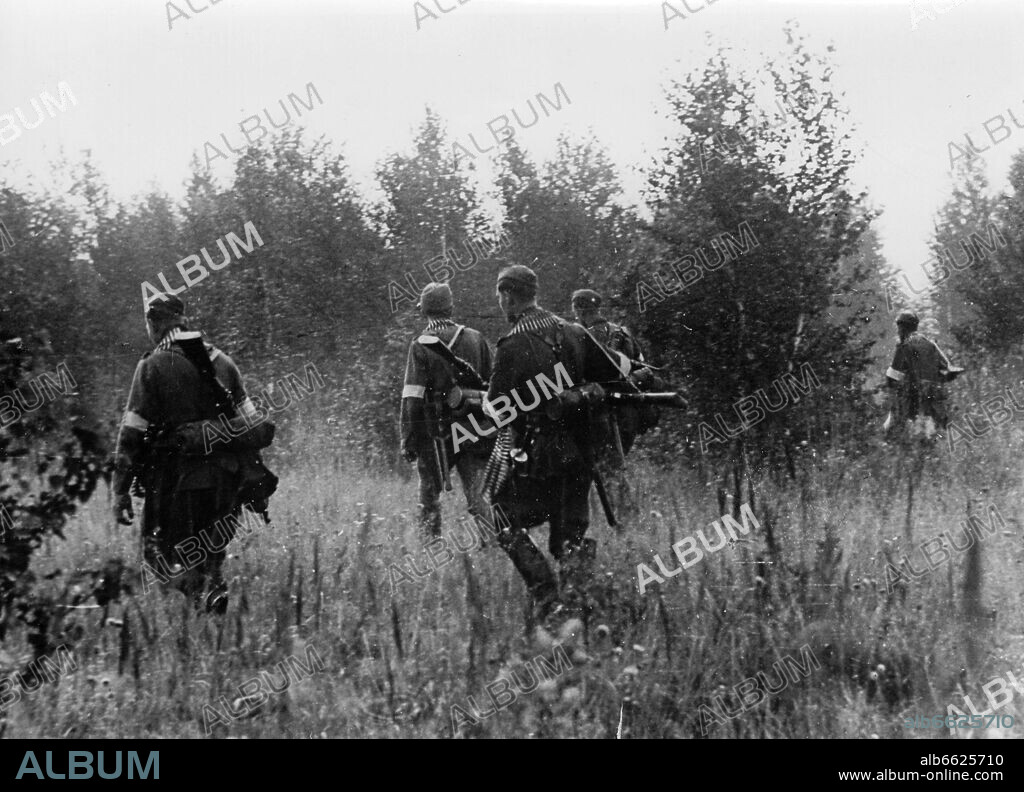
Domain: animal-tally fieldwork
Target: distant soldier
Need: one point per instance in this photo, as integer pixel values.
(428, 412)
(917, 380)
(188, 487)
(586, 307)
(616, 427)
(545, 370)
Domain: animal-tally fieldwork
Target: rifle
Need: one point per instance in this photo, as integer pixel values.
(442, 464)
(463, 368)
(456, 398)
(155, 441)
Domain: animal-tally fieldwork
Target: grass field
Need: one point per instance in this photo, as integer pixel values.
(395, 659)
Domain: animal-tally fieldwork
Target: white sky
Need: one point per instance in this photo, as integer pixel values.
(148, 97)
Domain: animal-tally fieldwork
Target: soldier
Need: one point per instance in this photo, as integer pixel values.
(916, 380)
(542, 463)
(616, 427)
(186, 490)
(586, 307)
(427, 416)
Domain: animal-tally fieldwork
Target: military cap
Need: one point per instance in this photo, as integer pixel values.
(586, 296)
(907, 319)
(435, 298)
(164, 306)
(519, 276)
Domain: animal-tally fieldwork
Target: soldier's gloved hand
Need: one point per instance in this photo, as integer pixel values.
(123, 512)
(410, 454)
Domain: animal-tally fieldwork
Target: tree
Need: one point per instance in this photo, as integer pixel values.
(49, 466)
(975, 267)
(566, 220)
(302, 292)
(861, 301)
(766, 214)
(431, 220)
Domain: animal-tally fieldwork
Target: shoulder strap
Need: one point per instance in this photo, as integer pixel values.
(617, 363)
(195, 352)
(455, 337)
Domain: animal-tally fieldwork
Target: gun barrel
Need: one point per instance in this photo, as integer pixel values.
(462, 367)
(669, 399)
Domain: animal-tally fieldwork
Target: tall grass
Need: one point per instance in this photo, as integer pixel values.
(642, 666)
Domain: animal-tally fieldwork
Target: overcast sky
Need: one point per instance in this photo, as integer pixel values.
(148, 97)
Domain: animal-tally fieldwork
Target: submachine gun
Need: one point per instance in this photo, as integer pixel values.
(466, 396)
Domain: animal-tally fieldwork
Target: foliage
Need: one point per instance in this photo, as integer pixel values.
(565, 221)
(757, 315)
(50, 465)
(977, 289)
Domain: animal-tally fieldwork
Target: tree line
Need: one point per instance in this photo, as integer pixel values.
(752, 258)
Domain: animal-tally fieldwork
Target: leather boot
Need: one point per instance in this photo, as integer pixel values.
(531, 564)
(430, 523)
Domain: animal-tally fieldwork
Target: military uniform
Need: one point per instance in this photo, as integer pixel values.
(185, 495)
(428, 381)
(918, 375)
(617, 337)
(551, 484)
(615, 428)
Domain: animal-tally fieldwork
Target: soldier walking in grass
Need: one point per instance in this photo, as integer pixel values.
(916, 379)
(431, 404)
(542, 465)
(180, 390)
(616, 427)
